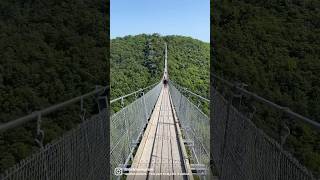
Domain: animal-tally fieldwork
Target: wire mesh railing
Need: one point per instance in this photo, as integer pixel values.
(241, 150)
(201, 102)
(81, 153)
(195, 128)
(120, 102)
(127, 126)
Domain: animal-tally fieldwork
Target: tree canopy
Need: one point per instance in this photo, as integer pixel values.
(138, 61)
(273, 46)
(50, 51)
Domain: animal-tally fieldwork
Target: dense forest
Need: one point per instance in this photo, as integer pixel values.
(273, 47)
(51, 51)
(138, 61)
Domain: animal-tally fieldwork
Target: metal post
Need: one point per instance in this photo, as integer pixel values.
(127, 126)
(39, 139)
(122, 102)
(145, 107)
(102, 100)
(199, 104)
(225, 134)
(284, 130)
(82, 111)
(40, 132)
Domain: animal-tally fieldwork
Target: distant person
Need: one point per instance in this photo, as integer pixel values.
(165, 82)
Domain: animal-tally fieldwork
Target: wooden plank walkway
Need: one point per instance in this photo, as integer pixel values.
(161, 153)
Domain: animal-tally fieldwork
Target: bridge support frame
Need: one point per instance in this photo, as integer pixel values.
(102, 99)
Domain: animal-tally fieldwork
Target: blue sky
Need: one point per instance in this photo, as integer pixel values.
(167, 17)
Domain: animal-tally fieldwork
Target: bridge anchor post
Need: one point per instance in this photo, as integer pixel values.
(102, 99)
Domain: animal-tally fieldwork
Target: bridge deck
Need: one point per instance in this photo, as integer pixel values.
(160, 150)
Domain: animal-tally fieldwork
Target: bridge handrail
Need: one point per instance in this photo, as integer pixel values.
(267, 102)
(195, 127)
(127, 126)
(188, 91)
(20, 121)
(130, 94)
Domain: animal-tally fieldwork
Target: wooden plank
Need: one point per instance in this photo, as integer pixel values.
(156, 154)
(141, 160)
(183, 151)
(165, 166)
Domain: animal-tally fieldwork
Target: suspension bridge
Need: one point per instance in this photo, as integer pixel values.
(159, 148)
(162, 134)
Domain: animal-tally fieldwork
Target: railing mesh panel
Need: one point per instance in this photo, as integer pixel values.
(79, 154)
(127, 126)
(243, 152)
(195, 126)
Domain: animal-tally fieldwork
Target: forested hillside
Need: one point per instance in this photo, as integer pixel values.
(138, 61)
(50, 51)
(273, 46)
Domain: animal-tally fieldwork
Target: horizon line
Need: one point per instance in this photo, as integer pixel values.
(160, 35)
